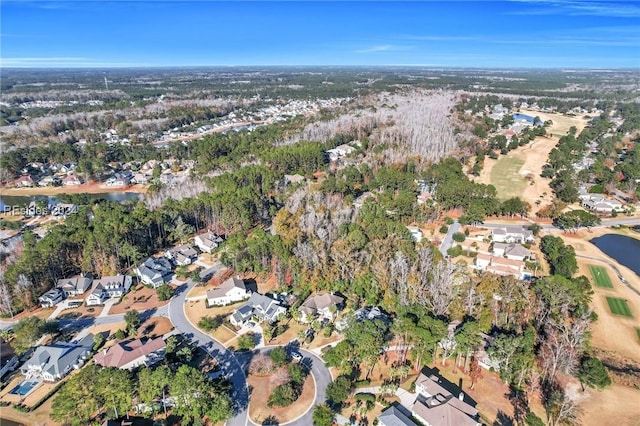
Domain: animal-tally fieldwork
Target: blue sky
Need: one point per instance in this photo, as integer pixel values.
(522, 33)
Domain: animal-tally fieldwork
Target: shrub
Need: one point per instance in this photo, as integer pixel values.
(120, 334)
(164, 292)
(362, 383)
(448, 220)
(279, 356)
(459, 237)
(246, 342)
(210, 323)
(282, 396)
(369, 397)
(443, 229)
(455, 251)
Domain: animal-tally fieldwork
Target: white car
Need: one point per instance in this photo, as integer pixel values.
(296, 356)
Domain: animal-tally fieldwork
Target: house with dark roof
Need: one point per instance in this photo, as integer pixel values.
(74, 286)
(259, 306)
(8, 358)
(230, 291)
(52, 362)
(154, 271)
(51, 298)
(207, 241)
(320, 307)
(132, 353)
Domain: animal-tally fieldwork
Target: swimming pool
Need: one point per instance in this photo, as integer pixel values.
(23, 388)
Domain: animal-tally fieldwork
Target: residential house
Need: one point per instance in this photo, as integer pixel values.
(74, 286)
(208, 241)
(140, 178)
(501, 266)
(108, 287)
(52, 362)
(51, 298)
(340, 152)
(118, 179)
(511, 251)
(8, 358)
(512, 234)
(48, 181)
(71, 180)
(230, 291)
(260, 306)
(600, 203)
(23, 181)
(363, 314)
(392, 416)
(182, 255)
(436, 405)
(320, 307)
(416, 233)
(153, 271)
(132, 353)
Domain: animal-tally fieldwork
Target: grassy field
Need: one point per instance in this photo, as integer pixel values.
(619, 306)
(600, 276)
(505, 177)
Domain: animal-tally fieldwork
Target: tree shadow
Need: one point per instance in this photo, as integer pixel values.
(503, 419)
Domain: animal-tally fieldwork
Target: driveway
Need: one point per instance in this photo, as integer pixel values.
(448, 238)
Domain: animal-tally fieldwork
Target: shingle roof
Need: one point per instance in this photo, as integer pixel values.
(392, 416)
(225, 287)
(320, 301)
(126, 352)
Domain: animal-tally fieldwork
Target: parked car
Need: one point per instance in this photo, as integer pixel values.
(296, 356)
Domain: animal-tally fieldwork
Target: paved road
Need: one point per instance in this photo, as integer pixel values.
(547, 226)
(321, 377)
(448, 238)
(226, 358)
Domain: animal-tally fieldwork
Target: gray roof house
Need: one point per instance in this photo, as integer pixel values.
(153, 271)
(108, 287)
(392, 416)
(207, 241)
(8, 358)
(52, 362)
(51, 298)
(230, 291)
(436, 405)
(512, 251)
(320, 306)
(75, 285)
(260, 306)
(181, 255)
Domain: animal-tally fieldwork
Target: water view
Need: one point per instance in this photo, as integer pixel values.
(625, 250)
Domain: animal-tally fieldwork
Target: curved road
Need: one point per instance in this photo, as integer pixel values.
(235, 363)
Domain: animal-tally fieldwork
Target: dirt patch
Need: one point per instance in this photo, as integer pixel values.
(262, 388)
(110, 328)
(42, 313)
(154, 327)
(139, 298)
(39, 417)
(615, 405)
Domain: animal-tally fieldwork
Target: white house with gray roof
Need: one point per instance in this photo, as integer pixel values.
(259, 306)
(231, 291)
(108, 287)
(153, 271)
(511, 251)
(392, 416)
(74, 286)
(207, 241)
(52, 362)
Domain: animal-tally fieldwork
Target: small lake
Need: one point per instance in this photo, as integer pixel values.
(10, 200)
(625, 250)
(530, 119)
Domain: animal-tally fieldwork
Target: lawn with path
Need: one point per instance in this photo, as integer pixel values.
(619, 307)
(600, 276)
(506, 177)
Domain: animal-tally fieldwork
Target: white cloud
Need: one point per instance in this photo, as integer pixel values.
(385, 48)
(579, 8)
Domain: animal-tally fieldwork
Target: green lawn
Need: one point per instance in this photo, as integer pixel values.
(505, 177)
(619, 306)
(600, 276)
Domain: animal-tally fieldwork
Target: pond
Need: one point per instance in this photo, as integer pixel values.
(9, 200)
(625, 250)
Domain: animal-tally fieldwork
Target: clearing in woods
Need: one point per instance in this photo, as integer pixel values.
(600, 276)
(619, 307)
